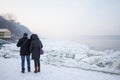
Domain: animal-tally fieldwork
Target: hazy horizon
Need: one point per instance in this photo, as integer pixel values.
(66, 18)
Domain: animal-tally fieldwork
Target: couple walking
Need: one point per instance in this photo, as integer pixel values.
(27, 46)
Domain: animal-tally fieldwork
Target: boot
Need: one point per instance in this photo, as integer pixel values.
(22, 71)
(38, 68)
(35, 70)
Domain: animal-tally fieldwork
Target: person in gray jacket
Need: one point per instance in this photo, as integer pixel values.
(35, 47)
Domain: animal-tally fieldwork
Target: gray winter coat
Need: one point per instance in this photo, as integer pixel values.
(35, 47)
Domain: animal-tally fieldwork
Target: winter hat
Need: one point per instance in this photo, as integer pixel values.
(25, 35)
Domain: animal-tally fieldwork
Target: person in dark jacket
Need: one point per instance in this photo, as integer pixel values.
(35, 47)
(24, 44)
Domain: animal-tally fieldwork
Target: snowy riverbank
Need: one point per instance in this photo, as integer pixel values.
(69, 54)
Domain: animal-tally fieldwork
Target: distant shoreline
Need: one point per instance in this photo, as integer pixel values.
(100, 42)
(100, 36)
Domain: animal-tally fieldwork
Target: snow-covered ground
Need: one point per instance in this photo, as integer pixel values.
(10, 70)
(72, 56)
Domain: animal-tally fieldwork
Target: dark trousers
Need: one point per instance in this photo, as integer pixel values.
(36, 62)
(23, 62)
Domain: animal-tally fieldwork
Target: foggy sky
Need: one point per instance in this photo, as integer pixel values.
(66, 17)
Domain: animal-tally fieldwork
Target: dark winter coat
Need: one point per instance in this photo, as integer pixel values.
(24, 44)
(35, 47)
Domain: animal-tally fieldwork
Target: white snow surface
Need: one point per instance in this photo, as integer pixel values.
(10, 70)
(68, 59)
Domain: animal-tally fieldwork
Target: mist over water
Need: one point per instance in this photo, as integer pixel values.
(100, 42)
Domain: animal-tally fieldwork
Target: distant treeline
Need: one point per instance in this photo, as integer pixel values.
(16, 28)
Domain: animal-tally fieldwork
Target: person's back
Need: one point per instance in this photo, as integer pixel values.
(35, 47)
(24, 44)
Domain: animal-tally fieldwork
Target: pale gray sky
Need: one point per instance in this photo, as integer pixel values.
(66, 17)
